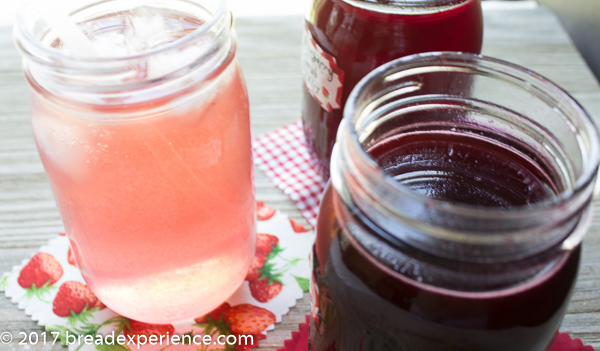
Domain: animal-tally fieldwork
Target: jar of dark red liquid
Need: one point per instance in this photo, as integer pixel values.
(346, 39)
(460, 192)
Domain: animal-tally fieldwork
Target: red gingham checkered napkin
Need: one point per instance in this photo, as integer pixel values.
(284, 157)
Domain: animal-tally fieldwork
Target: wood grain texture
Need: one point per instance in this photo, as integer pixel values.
(269, 51)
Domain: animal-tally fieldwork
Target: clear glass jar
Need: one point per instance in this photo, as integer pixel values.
(460, 193)
(346, 39)
(147, 146)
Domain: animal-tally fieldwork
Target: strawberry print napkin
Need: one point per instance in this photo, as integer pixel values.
(49, 288)
(284, 157)
(299, 341)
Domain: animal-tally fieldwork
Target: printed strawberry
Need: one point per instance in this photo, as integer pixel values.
(247, 319)
(71, 258)
(214, 322)
(264, 212)
(75, 300)
(298, 228)
(325, 92)
(265, 289)
(269, 284)
(42, 270)
(258, 262)
(265, 244)
(136, 329)
(215, 314)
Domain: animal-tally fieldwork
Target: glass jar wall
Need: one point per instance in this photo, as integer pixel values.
(346, 39)
(460, 193)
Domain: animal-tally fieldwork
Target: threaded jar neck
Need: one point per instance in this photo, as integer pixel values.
(492, 101)
(193, 52)
(408, 7)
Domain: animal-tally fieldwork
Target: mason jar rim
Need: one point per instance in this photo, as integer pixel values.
(31, 47)
(484, 64)
(409, 7)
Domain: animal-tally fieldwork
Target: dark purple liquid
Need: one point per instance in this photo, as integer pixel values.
(455, 167)
(364, 304)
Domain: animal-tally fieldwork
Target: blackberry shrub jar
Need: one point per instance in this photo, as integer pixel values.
(459, 195)
(346, 39)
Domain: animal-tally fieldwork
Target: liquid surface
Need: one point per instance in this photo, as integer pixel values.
(159, 208)
(464, 169)
(361, 40)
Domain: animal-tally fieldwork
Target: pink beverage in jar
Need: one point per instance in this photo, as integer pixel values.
(148, 150)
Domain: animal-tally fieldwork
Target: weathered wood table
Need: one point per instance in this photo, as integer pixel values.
(269, 52)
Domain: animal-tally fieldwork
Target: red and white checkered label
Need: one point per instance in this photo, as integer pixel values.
(284, 157)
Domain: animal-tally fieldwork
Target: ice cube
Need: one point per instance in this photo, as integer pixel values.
(146, 23)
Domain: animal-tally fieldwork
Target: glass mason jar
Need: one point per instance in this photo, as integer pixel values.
(346, 39)
(147, 146)
(460, 193)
